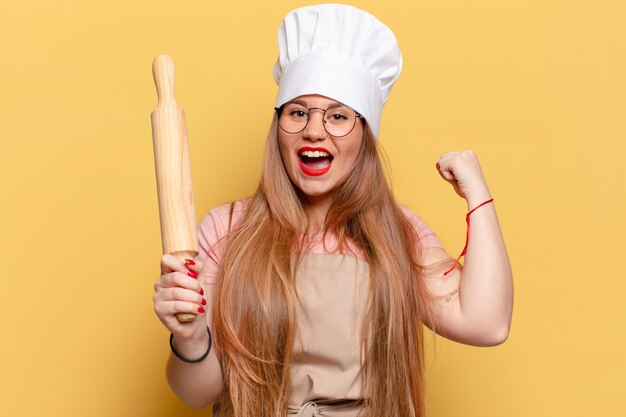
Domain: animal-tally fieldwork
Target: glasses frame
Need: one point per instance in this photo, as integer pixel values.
(308, 118)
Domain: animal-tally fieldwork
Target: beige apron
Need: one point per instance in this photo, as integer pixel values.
(326, 371)
(333, 290)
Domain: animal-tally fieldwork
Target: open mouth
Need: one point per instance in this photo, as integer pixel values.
(315, 161)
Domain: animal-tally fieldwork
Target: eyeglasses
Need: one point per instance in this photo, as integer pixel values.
(339, 119)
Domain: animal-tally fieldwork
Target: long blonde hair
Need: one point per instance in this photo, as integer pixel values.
(256, 297)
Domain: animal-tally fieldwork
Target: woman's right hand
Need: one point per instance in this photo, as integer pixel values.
(178, 290)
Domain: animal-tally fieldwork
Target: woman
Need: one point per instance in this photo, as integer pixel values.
(312, 293)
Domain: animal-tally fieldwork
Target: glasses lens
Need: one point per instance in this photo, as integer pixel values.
(339, 120)
(293, 117)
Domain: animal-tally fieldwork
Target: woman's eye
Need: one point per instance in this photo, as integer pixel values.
(298, 113)
(338, 117)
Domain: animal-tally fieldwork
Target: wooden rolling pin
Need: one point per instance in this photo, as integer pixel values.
(173, 170)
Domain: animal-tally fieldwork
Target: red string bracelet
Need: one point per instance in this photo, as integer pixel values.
(467, 220)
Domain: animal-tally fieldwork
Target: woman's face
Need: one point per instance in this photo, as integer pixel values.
(317, 162)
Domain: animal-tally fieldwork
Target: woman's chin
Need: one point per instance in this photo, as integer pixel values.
(314, 195)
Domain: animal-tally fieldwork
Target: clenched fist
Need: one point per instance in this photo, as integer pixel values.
(462, 170)
(179, 291)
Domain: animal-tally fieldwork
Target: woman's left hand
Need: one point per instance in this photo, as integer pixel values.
(462, 170)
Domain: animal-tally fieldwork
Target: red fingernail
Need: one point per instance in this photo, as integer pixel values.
(192, 274)
(189, 262)
(200, 310)
(203, 302)
(201, 291)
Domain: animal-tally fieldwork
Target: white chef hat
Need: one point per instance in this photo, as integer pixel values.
(340, 52)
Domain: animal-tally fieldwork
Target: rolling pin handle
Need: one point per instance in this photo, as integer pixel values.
(164, 77)
(181, 256)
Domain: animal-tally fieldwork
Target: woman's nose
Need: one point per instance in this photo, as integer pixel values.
(315, 129)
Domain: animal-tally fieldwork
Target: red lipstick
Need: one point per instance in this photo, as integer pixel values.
(312, 171)
(308, 148)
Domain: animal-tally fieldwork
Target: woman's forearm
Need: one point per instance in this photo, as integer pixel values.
(197, 384)
(486, 288)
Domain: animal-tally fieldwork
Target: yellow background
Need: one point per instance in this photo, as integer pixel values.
(536, 88)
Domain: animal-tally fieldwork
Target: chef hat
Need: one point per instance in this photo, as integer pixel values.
(340, 52)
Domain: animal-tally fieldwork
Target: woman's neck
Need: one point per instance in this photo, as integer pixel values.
(316, 210)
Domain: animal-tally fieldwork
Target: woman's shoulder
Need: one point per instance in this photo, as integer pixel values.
(423, 233)
(220, 220)
(413, 218)
(212, 232)
(237, 207)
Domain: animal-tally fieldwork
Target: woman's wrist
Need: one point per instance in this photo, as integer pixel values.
(193, 347)
(477, 198)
